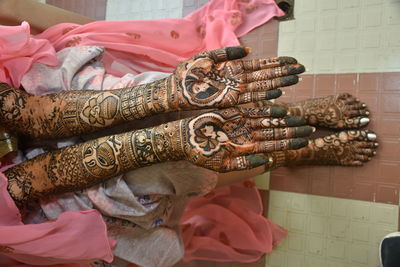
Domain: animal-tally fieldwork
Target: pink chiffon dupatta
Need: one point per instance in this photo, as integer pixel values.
(228, 225)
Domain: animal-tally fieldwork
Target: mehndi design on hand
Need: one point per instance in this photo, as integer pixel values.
(218, 79)
(219, 140)
(210, 79)
(225, 140)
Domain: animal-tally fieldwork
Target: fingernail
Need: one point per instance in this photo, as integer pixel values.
(303, 131)
(257, 160)
(295, 121)
(270, 160)
(367, 112)
(371, 136)
(289, 113)
(363, 105)
(374, 153)
(247, 49)
(314, 129)
(298, 143)
(376, 144)
(307, 69)
(309, 142)
(277, 112)
(283, 92)
(364, 121)
(300, 79)
(357, 100)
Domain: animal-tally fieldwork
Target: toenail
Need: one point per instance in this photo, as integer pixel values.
(283, 92)
(300, 79)
(363, 105)
(367, 112)
(364, 121)
(374, 153)
(357, 100)
(376, 144)
(371, 136)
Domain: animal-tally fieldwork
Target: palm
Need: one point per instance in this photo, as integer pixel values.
(214, 79)
(223, 140)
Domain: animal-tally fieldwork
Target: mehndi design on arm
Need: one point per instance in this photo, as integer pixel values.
(211, 79)
(220, 140)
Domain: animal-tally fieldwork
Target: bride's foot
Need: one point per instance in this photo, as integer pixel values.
(346, 148)
(341, 111)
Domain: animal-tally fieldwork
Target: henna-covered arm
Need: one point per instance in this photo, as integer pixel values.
(209, 80)
(221, 140)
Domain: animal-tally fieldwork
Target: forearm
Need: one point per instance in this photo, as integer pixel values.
(83, 165)
(71, 113)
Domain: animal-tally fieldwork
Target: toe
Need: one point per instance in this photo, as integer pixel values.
(365, 151)
(362, 158)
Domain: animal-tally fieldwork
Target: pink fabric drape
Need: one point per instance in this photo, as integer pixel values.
(76, 236)
(135, 47)
(228, 225)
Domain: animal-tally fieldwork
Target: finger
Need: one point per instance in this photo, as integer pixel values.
(247, 162)
(262, 112)
(269, 134)
(279, 145)
(266, 74)
(249, 97)
(275, 122)
(227, 53)
(270, 84)
(241, 66)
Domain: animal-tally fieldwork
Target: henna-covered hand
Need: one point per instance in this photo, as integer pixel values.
(220, 140)
(226, 140)
(218, 79)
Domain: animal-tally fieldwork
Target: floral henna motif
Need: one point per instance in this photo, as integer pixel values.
(224, 140)
(337, 112)
(346, 148)
(216, 79)
(220, 140)
(210, 79)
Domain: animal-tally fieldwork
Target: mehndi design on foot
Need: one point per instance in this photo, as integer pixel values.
(341, 111)
(346, 148)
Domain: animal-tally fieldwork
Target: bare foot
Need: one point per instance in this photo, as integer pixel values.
(341, 111)
(346, 148)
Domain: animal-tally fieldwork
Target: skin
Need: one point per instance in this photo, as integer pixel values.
(222, 140)
(213, 79)
(345, 148)
(342, 111)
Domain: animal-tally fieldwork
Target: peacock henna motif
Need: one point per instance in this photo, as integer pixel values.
(216, 79)
(210, 79)
(221, 140)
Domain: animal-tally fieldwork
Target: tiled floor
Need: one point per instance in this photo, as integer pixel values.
(326, 231)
